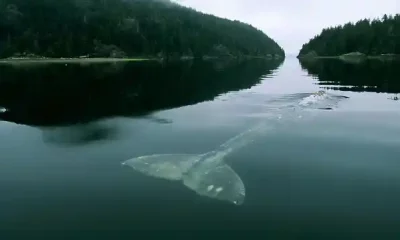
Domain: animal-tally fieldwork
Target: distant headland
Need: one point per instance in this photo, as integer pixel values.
(356, 42)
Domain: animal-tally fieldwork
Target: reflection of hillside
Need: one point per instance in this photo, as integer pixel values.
(369, 76)
(79, 134)
(58, 94)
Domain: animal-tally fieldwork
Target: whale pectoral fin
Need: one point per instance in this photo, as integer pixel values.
(221, 183)
(165, 166)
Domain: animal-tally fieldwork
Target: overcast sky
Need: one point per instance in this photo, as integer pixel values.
(293, 22)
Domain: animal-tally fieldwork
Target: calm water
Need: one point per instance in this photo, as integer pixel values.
(313, 174)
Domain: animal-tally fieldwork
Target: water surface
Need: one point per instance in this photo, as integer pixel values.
(315, 174)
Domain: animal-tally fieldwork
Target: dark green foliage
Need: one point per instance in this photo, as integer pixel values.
(106, 28)
(371, 37)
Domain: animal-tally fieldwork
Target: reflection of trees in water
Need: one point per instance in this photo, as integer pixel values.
(369, 76)
(78, 134)
(90, 132)
(59, 94)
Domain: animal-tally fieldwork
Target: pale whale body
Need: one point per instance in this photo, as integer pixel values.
(207, 174)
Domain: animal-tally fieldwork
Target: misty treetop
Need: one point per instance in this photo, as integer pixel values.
(117, 28)
(370, 37)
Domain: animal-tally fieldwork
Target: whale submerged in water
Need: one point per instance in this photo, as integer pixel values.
(208, 174)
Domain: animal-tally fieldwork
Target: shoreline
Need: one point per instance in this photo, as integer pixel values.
(71, 60)
(390, 57)
(108, 60)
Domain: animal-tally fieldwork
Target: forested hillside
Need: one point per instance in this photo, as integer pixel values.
(370, 37)
(118, 28)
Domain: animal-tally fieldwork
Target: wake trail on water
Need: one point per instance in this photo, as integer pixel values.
(297, 107)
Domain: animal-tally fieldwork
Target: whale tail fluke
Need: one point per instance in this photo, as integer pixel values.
(220, 182)
(215, 181)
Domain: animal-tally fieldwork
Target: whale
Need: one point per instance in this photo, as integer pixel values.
(207, 174)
